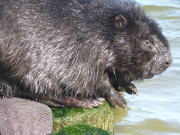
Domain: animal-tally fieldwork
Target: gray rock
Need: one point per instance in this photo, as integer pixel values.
(24, 117)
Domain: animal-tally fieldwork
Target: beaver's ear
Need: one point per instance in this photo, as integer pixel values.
(120, 21)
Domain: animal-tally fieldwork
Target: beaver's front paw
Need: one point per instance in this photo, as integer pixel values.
(131, 89)
(116, 98)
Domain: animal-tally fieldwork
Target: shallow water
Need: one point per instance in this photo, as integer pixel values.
(156, 110)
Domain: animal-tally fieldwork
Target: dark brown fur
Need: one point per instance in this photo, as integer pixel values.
(54, 49)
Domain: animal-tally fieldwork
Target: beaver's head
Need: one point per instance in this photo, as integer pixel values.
(140, 49)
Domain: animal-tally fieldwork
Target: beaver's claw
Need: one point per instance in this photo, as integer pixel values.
(131, 89)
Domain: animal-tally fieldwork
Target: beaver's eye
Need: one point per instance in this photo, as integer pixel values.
(147, 42)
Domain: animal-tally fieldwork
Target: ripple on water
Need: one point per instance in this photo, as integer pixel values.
(148, 127)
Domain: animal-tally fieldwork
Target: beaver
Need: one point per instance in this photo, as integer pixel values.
(75, 53)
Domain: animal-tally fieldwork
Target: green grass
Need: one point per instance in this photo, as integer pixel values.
(81, 129)
(101, 117)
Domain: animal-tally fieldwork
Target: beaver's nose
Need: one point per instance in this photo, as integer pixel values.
(168, 60)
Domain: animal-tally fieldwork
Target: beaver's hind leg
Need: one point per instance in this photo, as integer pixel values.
(116, 98)
(73, 102)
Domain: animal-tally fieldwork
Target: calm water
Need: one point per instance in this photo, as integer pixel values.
(156, 111)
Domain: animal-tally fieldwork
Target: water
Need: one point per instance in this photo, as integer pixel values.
(156, 111)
